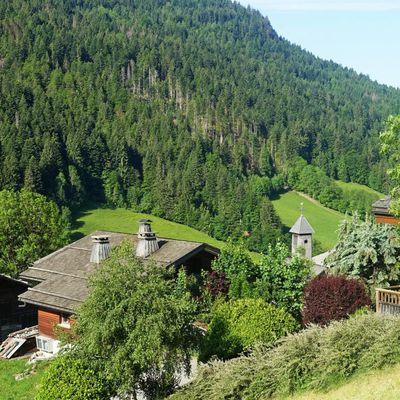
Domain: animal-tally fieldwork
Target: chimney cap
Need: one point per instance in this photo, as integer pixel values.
(100, 238)
(147, 239)
(144, 220)
(100, 248)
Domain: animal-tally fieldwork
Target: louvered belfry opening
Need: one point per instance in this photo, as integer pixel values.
(147, 239)
(100, 249)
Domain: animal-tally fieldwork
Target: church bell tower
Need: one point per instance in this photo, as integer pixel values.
(302, 236)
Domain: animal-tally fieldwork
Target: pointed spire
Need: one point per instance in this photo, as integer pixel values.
(302, 226)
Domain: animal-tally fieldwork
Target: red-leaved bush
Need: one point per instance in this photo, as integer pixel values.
(330, 298)
(217, 284)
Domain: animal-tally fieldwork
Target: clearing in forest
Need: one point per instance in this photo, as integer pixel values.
(126, 221)
(324, 220)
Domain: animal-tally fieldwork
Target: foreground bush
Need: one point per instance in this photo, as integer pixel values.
(313, 358)
(71, 378)
(240, 324)
(329, 298)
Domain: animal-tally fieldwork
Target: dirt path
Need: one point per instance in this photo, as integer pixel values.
(317, 203)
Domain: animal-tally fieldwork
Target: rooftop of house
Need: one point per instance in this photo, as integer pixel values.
(381, 206)
(319, 262)
(15, 281)
(61, 277)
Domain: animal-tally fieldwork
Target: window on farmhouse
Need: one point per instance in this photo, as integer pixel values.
(43, 344)
(65, 320)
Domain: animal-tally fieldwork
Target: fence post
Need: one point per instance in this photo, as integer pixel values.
(378, 308)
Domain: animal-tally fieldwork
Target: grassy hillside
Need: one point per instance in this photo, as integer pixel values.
(324, 220)
(361, 188)
(24, 389)
(125, 220)
(384, 384)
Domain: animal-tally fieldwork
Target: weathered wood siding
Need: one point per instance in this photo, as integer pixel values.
(386, 219)
(46, 321)
(13, 314)
(388, 300)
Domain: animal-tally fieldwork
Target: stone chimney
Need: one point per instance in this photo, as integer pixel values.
(100, 249)
(147, 240)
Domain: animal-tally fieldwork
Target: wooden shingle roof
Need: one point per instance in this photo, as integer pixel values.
(302, 226)
(382, 206)
(61, 278)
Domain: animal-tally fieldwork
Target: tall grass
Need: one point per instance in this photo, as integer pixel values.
(315, 358)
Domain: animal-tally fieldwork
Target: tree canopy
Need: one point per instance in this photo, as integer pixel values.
(366, 250)
(190, 110)
(277, 277)
(30, 228)
(134, 328)
(390, 144)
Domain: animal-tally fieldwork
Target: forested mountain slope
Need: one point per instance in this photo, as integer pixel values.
(188, 109)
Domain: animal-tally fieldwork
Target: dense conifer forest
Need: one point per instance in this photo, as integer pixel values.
(193, 110)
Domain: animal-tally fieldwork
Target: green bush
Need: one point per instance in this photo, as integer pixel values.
(71, 378)
(312, 359)
(238, 325)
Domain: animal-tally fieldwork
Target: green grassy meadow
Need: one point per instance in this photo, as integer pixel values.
(376, 385)
(126, 221)
(324, 220)
(360, 188)
(25, 389)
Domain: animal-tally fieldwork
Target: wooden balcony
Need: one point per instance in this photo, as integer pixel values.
(388, 300)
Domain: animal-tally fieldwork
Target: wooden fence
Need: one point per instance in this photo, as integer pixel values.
(388, 300)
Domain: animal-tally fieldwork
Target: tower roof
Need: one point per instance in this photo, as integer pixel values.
(302, 226)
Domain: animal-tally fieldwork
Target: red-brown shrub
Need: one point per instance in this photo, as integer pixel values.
(217, 284)
(330, 298)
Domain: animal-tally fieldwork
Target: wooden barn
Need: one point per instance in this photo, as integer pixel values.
(381, 211)
(14, 314)
(58, 282)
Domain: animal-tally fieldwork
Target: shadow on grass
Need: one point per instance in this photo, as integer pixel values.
(83, 211)
(79, 213)
(76, 236)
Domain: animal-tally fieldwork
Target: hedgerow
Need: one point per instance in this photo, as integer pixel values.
(72, 378)
(312, 359)
(240, 324)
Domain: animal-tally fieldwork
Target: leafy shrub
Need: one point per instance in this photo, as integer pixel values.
(71, 378)
(330, 298)
(312, 359)
(234, 260)
(281, 281)
(217, 284)
(240, 324)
